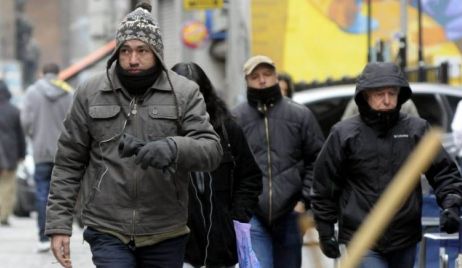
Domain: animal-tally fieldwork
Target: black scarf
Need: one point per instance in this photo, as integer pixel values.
(137, 84)
(269, 95)
(379, 120)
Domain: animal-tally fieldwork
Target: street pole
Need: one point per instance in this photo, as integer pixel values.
(403, 37)
(421, 74)
(369, 30)
(238, 51)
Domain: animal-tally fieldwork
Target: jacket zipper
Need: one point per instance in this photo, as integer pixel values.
(134, 112)
(268, 148)
(132, 237)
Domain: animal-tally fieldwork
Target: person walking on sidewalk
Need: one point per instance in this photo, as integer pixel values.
(131, 138)
(358, 161)
(45, 105)
(228, 193)
(456, 127)
(12, 151)
(285, 139)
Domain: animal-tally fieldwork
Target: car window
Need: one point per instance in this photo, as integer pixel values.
(328, 112)
(453, 101)
(429, 108)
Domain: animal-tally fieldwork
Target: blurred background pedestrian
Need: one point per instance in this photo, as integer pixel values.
(12, 151)
(456, 127)
(286, 84)
(45, 105)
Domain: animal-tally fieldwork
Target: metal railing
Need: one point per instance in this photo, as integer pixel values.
(432, 74)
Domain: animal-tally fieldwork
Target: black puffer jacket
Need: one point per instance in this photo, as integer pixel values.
(360, 158)
(285, 139)
(235, 184)
(12, 140)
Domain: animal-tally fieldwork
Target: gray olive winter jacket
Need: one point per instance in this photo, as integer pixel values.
(116, 194)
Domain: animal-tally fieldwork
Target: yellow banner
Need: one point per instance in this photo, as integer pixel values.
(269, 19)
(202, 4)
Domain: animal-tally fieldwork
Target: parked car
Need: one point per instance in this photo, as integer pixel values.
(435, 102)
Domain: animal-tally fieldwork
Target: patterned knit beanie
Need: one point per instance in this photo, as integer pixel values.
(139, 24)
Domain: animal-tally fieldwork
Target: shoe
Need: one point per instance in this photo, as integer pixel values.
(4, 223)
(43, 246)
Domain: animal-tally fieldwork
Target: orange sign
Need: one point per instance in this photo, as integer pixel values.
(194, 34)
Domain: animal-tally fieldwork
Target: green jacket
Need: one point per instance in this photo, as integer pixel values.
(116, 194)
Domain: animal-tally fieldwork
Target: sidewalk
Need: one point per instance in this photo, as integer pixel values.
(19, 240)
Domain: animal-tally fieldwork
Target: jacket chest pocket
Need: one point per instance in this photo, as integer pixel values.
(402, 146)
(162, 121)
(105, 122)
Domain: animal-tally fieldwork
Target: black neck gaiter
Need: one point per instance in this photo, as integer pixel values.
(379, 120)
(269, 95)
(137, 84)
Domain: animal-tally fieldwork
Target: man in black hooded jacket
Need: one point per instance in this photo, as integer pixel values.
(360, 158)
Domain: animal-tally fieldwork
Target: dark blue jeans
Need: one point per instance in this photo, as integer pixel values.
(278, 245)
(402, 258)
(109, 252)
(42, 177)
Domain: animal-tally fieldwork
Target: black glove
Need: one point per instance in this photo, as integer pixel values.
(159, 154)
(449, 220)
(240, 215)
(307, 203)
(129, 145)
(329, 247)
(327, 240)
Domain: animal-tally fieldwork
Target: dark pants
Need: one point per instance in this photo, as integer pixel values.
(42, 178)
(109, 252)
(402, 258)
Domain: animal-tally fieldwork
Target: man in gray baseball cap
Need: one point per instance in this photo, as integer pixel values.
(285, 139)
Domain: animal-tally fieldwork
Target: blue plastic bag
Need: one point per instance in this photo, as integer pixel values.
(246, 256)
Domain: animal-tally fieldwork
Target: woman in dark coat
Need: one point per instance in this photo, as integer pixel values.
(228, 193)
(12, 150)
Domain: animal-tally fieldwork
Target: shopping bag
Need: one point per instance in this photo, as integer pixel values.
(245, 253)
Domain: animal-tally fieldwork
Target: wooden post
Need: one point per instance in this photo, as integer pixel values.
(392, 199)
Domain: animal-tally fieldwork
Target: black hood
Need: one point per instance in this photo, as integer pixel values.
(381, 74)
(377, 75)
(5, 94)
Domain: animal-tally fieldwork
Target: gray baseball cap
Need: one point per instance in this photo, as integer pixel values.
(254, 61)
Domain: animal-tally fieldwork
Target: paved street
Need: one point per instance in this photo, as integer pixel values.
(18, 243)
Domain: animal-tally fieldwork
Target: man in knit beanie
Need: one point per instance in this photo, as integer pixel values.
(129, 142)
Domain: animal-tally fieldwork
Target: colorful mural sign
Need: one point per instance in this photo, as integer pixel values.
(320, 39)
